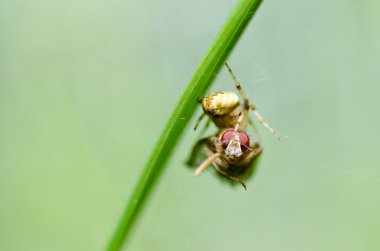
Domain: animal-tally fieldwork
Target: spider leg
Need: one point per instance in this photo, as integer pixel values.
(205, 127)
(240, 120)
(248, 104)
(199, 120)
(250, 122)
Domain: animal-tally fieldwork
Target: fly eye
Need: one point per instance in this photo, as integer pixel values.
(244, 141)
(226, 138)
(228, 135)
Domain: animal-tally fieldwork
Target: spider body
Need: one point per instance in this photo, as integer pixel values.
(231, 151)
(224, 108)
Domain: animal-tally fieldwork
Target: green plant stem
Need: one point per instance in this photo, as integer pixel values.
(202, 79)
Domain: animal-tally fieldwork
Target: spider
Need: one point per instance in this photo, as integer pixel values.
(224, 108)
(231, 152)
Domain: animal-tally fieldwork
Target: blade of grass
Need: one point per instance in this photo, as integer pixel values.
(202, 79)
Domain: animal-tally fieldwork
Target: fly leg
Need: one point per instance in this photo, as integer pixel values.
(229, 176)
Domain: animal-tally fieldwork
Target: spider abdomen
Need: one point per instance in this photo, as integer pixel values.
(220, 103)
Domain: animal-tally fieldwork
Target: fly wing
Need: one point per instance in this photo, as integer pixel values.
(198, 152)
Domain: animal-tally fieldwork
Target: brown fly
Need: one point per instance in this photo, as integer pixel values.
(231, 152)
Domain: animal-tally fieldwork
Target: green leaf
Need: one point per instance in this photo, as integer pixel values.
(201, 81)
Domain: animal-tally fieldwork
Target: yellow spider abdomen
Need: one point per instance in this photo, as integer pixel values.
(220, 103)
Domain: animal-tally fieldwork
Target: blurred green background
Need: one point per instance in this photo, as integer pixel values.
(87, 86)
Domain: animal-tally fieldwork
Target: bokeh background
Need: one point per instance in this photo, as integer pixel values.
(87, 86)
